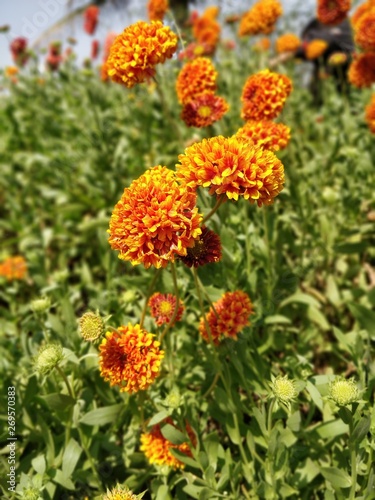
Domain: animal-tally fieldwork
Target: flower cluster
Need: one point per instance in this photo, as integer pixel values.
(91, 17)
(332, 11)
(264, 95)
(206, 249)
(157, 9)
(227, 317)
(315, 49)
(137, 50)
(195, 77)
(13, 268)
(155, 220)
(289, 42)
(130, 358)
(163, 308)
(266, 134)
(19, 51)
(206, 29)
(261, 18)
(370, 114)
(362, 70)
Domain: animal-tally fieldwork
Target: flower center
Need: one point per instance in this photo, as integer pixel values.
(165, 307)
(204, 111)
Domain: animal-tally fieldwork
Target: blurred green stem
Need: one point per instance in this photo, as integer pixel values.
(220, 199)
(353, 460)
(149, 292)
(173, 123)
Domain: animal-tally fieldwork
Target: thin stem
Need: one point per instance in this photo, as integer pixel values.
(269, 418)
(149, 292)
(175, 312)
(67, 383)
(212, 386)
(219, 201)
(353, 461)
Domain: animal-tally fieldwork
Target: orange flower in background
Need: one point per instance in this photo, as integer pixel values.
(232, 167)
(365, 31)
(130, 358)
(315, 49)
(227, 318)
(332, 11)
(261, 18)
(264, 95)
(155, 220)
(136, 51)
(204, 109)
(207, 249)
(11, 72)
(194, 50)
(158, 449)
(289, 42)
(163, 307)
(266, 134)
(195, 77)
(362, 70)
(262, 44)
(360, 10)
(206, 30)
(13, 268)
(91, 17)
(157, 9)
(370, 114)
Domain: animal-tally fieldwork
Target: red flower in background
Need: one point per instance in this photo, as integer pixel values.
(95, 49)
(19, 51)
(54, 57)
(91, 17)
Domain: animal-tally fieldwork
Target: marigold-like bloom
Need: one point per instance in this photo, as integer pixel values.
(332, 11)
(207, 249)
(227, 318)
(155, 220)
(360, 10)
(204, 109)
(315, 49)
(289, 42)
(261, 18)
(130, 358)
(11, 71)
(264, 95)
(157, 9)
(91, 17)
(19, 51)
(262, 44)
(206, 30)
(121, 493)
(365, 31)
(163, 308)
(195, 77)
(266, 134)
(13, 268)
(158, 449)
(232, 167)
(343, 392)
(136, 51)
(370, 114)
(362, 70)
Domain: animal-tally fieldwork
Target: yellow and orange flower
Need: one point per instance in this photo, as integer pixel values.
(204, 109)
(206, 30)
(158, 449)
(261, 18)
(332, 11)
(232, 167)
(195, 77)
(315, 49)
(207, 249)
(157, 9)
(130, 358)
(266, 134)
(138, 49)
(13, 268)
(370, 114)
(262, 44)
(227, 317)
(155, 220)
(337, 59)
(194, 50)
(163, 308)
(11, 71)
(362, 70)
(365, 31)
(264, 95)
(289, 42)
(360, 10)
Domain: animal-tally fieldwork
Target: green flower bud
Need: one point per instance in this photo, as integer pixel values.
(121, 493)
(31, 494)
(173, 400)
(284, 390)
(129, 296)
(343, 392)
(40, 305)
(91, 326)
(48, 358)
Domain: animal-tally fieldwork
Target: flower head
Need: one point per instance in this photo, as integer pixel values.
(262, 44)
(343, 392)
(130, 358)
(163, 308)
(194, 50)
(207, 249)
(155, 220)
(91, 326)
(204, 109)
(232, 167)
(91, 17)
(48, 358)
(284, 390)
(11, 71)
(337, 59)
(289, 42)
(362, 70)
(360, 10)
(19, 51)
(370, 114)
(157, 9)
(365, 31)
(121, 493)
(41, 305)
(332, 11)
(206, 30)
(315, 49)
(13, 268)
(136, 51)
(264, 95)
(195, 77)
(227, 318)
(266, 134)
(261, 18)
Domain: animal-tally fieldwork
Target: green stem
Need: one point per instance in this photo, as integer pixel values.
(353, 461)
(175, 312)
(219, 201)
(269, 418)
(67, 383)
(149, 292)
(168, 114)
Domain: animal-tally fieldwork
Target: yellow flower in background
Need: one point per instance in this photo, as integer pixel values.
(315, 49)
(261, 18)
(195, 77)
(157, 9)
(266, 134)
(289, 42)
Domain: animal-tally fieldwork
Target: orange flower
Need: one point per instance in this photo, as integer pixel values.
(157, 9)
(261, 18)
(195, 77)
(206, 30)
(204, 109)
(287, 43)
(158, 449)
(11, 71)
(315, 48)
(136, 51)
(13, 268)
(155, 220)
(207, 249)
(232, 167)
(91, 15)
(130, 358)
(360, 10)
(262, 44)
(163, 307)
(370, 114)
(264, 95)
(365, 31)
(332, 11)
(228, 316)
(266, 134)
(362, 70)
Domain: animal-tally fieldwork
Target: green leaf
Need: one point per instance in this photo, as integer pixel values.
(163, 493)
(185, 459)
(58, 402)
(172, 434)
(60, 478)
(70, 457)
(39, 464)
(232, 430)
(102, 416)
(361, 430)
(318, 318)
(302, 298)
(159, 417)
(315, 395)
(337, 477)
(365, 317)
(329, 430)
(277, 319)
